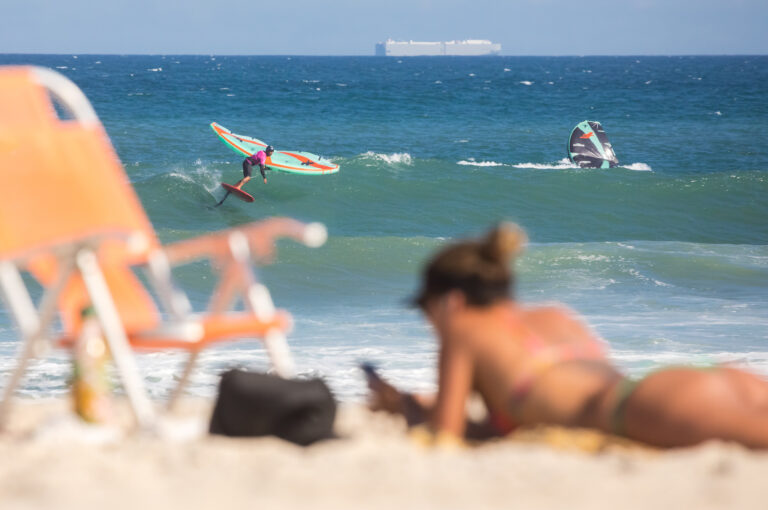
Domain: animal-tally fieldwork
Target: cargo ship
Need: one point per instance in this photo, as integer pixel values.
(468, 47)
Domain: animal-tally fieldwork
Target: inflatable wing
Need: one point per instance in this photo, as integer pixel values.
(589, 147)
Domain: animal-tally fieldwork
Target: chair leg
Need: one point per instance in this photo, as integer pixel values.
(176, 393)
(277, 348)
(259, 302)
(32, 323)
(109, 319)
(14, 380)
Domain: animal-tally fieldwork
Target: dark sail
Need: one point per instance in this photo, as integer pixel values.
(589, 147)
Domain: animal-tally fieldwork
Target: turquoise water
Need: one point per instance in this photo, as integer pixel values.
(665, 256)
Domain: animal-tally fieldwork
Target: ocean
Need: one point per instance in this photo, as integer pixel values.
(666, 256)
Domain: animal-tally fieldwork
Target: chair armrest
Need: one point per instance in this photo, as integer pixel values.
(260, 237)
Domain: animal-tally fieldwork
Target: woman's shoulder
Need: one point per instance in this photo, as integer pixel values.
(558, 319)
(548, 311)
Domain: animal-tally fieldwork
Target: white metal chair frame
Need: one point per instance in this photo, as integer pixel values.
(232, 252)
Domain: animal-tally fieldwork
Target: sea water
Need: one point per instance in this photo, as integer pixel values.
(666, 256)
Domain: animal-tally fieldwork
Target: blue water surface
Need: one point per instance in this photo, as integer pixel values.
(666, 256)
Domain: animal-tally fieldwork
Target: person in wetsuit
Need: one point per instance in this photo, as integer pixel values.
(260, 159)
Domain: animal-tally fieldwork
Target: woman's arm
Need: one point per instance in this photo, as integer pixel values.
(454, 385)
(416, 409)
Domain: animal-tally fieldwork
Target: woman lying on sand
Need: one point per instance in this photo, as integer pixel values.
(542, 365)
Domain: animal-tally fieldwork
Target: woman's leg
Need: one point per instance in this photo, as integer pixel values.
(686, 406)
(246, 173)
(247, 168)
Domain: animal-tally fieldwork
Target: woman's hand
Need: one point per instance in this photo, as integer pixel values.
(385, 397)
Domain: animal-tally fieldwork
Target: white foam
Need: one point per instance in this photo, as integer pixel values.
(560, 165)
(638, 167)
(472, 162)
(182, 176)
(640, 276)
(593, 258)
(199, 173)
(392, 159)
(566, 163)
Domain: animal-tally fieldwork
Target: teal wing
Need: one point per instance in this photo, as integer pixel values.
(296, 162)
(243, 145)
(304, 163)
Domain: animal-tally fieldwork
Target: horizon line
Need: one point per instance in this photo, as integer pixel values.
(386, 56)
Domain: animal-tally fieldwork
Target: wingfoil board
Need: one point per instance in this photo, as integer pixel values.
(295, 162)
(242, 195)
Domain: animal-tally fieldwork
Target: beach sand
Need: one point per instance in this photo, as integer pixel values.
(47, 463)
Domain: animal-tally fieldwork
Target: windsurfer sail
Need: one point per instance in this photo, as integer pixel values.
(589, 147)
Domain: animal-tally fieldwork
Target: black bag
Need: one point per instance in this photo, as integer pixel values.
(255, 404)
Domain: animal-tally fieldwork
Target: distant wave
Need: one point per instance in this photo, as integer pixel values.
(397, 158)
(559, 165)
(566, 163)
(639, 167)
(640, 362)
(472, 162)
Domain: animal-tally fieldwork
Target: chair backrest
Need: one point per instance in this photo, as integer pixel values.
(61, 183)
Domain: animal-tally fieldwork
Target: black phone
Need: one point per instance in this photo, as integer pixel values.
(370, 370)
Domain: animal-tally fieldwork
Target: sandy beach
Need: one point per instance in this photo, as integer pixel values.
(47, 463)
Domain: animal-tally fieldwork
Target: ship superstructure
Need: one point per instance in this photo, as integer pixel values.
(468, 47)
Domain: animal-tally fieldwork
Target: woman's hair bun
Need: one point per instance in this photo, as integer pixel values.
(505, 241)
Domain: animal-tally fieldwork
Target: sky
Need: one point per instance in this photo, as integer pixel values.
(353, 27)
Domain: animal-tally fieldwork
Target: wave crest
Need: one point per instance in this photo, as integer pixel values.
(559, 165)
(472, 162)
(638, 167)
(397, 158)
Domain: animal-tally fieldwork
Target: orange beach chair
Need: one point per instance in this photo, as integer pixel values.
(70, 219)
